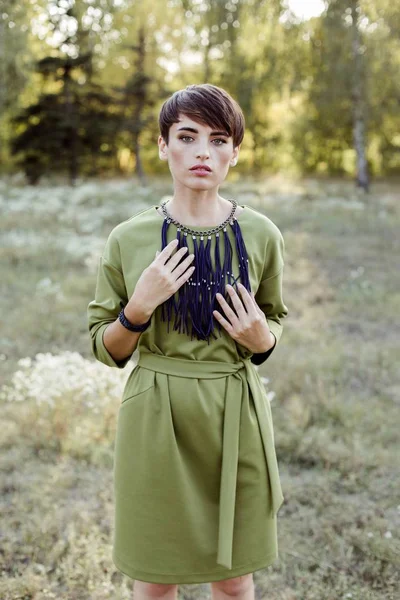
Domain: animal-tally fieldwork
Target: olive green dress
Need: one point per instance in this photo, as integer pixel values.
(196, 481)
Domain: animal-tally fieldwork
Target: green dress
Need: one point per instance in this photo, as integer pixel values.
(196, 480)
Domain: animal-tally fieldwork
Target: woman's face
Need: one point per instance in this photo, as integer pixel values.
(200, 144)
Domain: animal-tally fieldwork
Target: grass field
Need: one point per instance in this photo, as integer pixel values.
(335, 377)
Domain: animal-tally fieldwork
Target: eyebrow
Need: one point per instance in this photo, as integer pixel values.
(196, 131)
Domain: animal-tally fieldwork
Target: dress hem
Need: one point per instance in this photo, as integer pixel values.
(207, 577)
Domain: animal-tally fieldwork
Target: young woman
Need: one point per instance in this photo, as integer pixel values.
(196, 285)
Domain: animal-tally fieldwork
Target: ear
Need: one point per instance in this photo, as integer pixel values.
(162, 146)
(235, 156)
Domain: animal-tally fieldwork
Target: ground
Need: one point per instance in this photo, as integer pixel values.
(334, 377)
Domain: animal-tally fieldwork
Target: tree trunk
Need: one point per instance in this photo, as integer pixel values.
(3, 79)
(70, 107)
(139, 168)
(358, 104)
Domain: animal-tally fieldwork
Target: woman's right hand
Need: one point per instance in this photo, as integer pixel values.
(162, 278)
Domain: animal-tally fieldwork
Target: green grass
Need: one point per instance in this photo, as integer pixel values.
(335, 376)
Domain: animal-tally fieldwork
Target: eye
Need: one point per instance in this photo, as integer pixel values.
(188, 137)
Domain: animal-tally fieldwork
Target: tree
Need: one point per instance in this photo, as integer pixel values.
(13, 73)
(136, 97)
(65, 126)
(358, 99)
(61, 129)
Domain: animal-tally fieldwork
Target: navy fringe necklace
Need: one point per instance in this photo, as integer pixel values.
(197, 296)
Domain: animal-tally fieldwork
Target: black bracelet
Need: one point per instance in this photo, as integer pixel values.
(126, 323)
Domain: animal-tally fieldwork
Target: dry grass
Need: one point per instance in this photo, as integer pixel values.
(335, 376)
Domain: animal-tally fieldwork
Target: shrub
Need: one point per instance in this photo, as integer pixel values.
(64, 403)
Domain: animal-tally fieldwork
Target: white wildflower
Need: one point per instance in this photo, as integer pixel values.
(388, 534)
(354, 273)
(66, 402)
(51, 377)
(271, 396)
(25, 362)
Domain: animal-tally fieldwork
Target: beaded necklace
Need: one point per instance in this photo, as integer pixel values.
(197, 296)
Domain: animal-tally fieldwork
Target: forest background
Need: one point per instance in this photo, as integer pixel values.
(81, 84)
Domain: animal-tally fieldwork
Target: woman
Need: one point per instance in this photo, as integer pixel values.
(196, 479)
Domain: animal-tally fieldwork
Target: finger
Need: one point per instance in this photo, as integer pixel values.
(248, 299)
(260, 312)
(236, 301)
(168, 252)
(184, 277)
(232, 316)
(177, 258)
(188, 262)
(225, 324)
(169, 248)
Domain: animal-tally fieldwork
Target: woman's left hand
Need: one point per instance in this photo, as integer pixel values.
(248, 325)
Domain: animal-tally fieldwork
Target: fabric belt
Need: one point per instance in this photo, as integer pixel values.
(244, 374)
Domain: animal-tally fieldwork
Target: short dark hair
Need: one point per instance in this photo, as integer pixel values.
(204, 103)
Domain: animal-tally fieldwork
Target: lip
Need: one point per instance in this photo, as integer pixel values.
(201, 171)
(205, 168)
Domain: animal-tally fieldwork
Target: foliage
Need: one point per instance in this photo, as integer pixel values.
(65, 403)
(293, 78)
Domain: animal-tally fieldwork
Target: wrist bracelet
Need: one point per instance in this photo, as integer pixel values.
(126, 323)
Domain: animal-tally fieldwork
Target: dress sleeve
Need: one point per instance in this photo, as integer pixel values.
(110, 297)
(269, 294)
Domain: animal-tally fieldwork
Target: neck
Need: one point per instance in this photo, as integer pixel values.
(199, 213)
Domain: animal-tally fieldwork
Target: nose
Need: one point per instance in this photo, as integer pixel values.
(203, 153)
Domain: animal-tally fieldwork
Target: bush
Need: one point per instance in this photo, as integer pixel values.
(64, 403)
